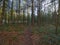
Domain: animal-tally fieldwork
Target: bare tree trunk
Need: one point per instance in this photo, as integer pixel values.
(23, 16)
(38, 12)
(3, 12)
(32, 15)
(59, 13)
(12, 12)
(19, 11)
(56, 19)
(19, 7)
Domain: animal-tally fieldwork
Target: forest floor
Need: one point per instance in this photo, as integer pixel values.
(29, 35)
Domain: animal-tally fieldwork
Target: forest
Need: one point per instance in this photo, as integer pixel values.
(29, 22)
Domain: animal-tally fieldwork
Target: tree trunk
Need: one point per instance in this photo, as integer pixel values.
(32, 15)
(12, 12)
(56, 19)
(19, 10)
(38, 12)
(3, 12)
(23, 16)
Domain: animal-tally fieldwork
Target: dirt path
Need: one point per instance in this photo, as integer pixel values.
(15, 38)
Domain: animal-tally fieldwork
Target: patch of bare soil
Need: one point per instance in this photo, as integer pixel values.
(15, 38)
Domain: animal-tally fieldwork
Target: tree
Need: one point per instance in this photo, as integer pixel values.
(57, 17)
(32, 14)
(12, 11)
(23, 16)
(3, 11)
(38, 12)
(19, 9)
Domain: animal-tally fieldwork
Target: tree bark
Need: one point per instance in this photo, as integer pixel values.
(19, 10)
(12, 12)
(3, 12)
(38, 12)
(32, 15)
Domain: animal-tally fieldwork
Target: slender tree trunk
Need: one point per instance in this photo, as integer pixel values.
(19, 7)
(3, 12)
(24, 16)
(38, 16)
(19, 10)
(12, 12)
(32, 15)
(59, 13)
(28, 17)
(56, 19)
